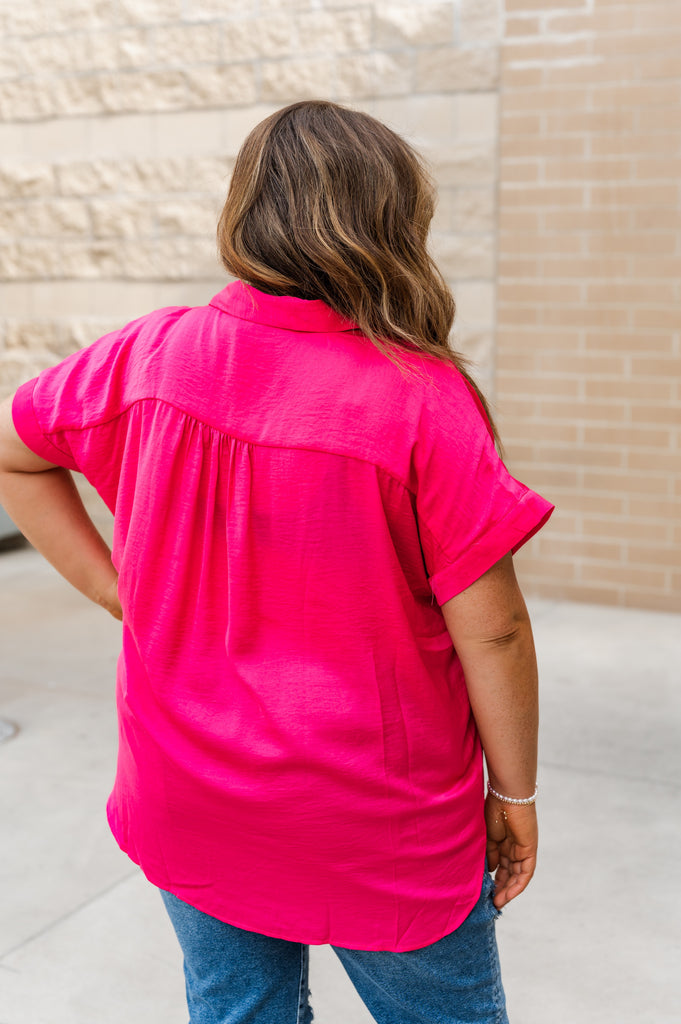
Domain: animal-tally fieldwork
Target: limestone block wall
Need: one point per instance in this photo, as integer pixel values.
(120, 121)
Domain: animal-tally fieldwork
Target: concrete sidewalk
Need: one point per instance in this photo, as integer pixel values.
(595, 940)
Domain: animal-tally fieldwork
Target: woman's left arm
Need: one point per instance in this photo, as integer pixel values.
(43, 501)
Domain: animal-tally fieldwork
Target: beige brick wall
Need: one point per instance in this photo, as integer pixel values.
(120, 120)
(589, 293)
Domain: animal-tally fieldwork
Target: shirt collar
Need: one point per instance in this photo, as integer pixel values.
(284, 311)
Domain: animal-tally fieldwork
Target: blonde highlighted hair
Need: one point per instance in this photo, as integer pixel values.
(328, 203)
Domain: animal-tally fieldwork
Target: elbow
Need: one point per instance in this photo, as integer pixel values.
(505, 638)
(513, 629)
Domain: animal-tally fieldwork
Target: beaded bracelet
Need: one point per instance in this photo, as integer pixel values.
(512, 800)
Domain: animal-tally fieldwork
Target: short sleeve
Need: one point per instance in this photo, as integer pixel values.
(471, 511)
(71, 413)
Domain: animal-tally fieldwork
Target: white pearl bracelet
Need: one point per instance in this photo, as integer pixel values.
(513, 800)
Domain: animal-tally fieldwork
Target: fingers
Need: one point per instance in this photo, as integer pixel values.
(511, 848)
(511, 879)
(492, 856)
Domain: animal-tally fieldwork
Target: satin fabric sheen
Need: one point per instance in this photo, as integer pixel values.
(297, 754)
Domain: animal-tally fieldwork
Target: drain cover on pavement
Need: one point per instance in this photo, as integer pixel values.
(7, 730)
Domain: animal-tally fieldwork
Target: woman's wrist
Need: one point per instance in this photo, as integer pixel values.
(106, 595)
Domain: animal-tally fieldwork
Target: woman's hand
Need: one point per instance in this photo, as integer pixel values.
(511, 847)
(110, 600)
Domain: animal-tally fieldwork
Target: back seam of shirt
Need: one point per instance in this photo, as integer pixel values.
(227, 433)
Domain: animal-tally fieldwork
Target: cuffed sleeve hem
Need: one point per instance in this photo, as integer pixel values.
(27, 427)
(508, 535)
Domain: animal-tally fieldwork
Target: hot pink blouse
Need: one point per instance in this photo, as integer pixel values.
(297, 753)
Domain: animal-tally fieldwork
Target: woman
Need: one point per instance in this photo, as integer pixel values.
(322, 630)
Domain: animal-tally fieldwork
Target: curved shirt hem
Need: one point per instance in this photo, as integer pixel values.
(454, 921)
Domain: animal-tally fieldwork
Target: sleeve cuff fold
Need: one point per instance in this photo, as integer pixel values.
(29, 430)
(508, 534)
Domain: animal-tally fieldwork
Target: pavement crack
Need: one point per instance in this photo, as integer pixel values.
(64, 917)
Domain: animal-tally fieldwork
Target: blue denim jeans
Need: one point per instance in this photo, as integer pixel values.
(240, 977)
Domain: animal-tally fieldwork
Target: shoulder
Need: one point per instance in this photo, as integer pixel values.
(159, 321)
(449, 402)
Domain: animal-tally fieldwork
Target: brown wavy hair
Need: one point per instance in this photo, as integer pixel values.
(328, 203)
